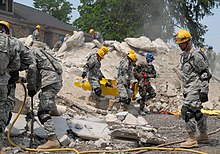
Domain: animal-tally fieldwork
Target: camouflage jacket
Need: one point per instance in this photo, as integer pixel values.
(41, 72)
(36, 35)
(93, 68)
(144, 68)
(99, 37)
(124, 72)
(194, 74)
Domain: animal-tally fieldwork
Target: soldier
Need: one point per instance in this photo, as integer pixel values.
(93, 72)
(10, 61)
(195, 75)
(45, 74)
(96, 35)
(124, 79)
(58, 44)
(143, 72)
(36, 33)
(211, 55)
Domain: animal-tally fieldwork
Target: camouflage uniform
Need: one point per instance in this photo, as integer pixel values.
(25, 61)
(94, 74)
(195, 83)
(9, 61)
(57, 46)
(36, 35)
(42, 74)
(98, 36)
(211, 55)
(145, 89)
(123, 81)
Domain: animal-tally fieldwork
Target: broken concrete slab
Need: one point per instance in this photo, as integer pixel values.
(130, 119)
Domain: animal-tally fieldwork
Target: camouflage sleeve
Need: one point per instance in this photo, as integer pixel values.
(25, 57)
(32, 73)
(137, 73)
(89, 64)
(153, 73)
(14, 63)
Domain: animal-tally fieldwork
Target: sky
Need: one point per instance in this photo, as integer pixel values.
(212, 37)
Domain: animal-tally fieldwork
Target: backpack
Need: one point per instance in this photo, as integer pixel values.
(54, 62)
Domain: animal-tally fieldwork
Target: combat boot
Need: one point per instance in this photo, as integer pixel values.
(111, 103)
(203, 138)
(51, 143)
(191, 142)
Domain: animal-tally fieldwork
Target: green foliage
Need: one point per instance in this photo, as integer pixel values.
(118, 19)
(60, 9)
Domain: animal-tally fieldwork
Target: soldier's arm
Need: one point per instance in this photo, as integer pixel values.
(89, 64)
(32, 73)
(153, 73)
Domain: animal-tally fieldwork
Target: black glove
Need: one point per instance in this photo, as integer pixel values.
(203, 97)
(83, 75)
(31, 93)
(100, 78)
(108, 84)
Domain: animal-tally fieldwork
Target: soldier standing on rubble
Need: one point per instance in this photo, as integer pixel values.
(211, 55)
(58, 44)
(143, 72)
(93, 72)
(124, 79)
(195, 74)
(36, 33)
(96, 35)
(9, 61)
(45, 74)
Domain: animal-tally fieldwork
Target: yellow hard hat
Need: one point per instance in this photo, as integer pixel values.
(133, 57)
(6, 24)
(74, 31)
(182, 36)
(91, 30)
(131, 52)
(101, 53)
(105, 49)
(67, 35)
(38, 27)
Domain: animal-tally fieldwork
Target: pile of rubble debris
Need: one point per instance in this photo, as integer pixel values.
(82, 122)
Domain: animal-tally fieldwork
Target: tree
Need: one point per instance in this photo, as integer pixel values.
(60, 9)
(118, 19)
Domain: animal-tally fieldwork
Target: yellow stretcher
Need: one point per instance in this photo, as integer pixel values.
(206, 112)
(113, 91)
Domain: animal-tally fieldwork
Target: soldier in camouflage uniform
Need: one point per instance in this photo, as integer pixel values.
(93, 72)
(143, 72)
(10, 61)
(211, 56)
(36, 33)
(125, 76)
(195, 77)
(96, 35)
(58, 44)
(45, 74)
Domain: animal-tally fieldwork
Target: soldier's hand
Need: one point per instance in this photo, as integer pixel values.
(203, 97)
(31, 93)
(83, 75)
(108, 84)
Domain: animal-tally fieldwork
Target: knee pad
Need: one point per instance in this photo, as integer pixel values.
(98, 91)
(186, 113)
(43, 116)
(9, 118)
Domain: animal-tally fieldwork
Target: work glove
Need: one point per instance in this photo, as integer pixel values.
(31, 93)
(203, 97)
(83, 75)
(108, 84)
(100, 78)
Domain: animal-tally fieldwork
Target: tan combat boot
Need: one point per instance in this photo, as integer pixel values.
(203, 138)
(111, 103)
(191, 142)
(51, 143)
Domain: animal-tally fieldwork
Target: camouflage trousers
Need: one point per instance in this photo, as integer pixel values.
(94, 84)
(4, 108)
(47, 104)
(191, 113)
(124, 91)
